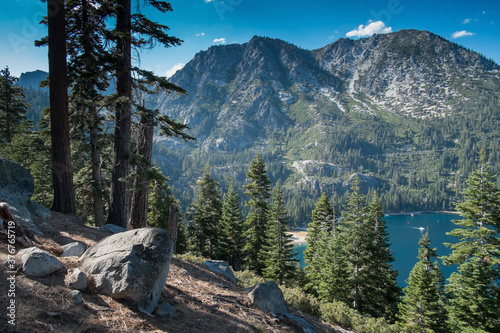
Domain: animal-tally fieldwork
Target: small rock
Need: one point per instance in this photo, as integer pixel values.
(74, 249)
(113, 228)
(220, 267)
(39, 263)
(165, 310)
(76, 279)
(77, 296)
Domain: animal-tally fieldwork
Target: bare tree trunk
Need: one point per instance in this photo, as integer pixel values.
(96, 173)
(95, 151)
(139, 208)
(64, 193)
(120, 196)
(173, 224)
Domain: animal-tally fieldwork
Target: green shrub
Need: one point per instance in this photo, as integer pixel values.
(298, 299)
(191, 257)
(339, 313)
(247, 278)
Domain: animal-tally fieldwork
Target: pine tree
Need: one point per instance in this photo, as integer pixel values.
(381, 291)
(88, 72)
(204, 216)
(317, 237)
(12, 105)
(357, 236)
(332, 266)
(256, 224)
(62, 170)
(231, 241)
(119, 208)
(422, 307)
(474, 289)
(278, 254)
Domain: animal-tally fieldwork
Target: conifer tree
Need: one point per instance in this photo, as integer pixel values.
(422, 306)
(231, 241)
(357, 237)
(317, 233)
(12, 105)
(256, 224)
(473, 290)
(204, 216)
(62, 169)
(278, 255)
(88, 69)
(332, 266)
(381, 290)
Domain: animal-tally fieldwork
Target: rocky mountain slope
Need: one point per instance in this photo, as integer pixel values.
(391, 107)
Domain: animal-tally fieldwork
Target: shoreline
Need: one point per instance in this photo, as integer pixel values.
(451, 212)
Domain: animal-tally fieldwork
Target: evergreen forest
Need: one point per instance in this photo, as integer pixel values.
(92, 155)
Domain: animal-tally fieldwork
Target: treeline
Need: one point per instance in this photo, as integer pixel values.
(90, 152)
(348, 278)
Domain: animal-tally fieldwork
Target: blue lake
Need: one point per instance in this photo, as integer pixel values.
(405, 232)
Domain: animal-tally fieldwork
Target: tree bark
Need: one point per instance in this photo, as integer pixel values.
(62, 172)
(120, 195)
(139, 208)
(173, 224)
(96, 173)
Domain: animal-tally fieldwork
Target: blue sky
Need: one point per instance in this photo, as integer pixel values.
(309, 24)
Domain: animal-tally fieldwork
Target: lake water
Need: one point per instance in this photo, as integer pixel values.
(405, 232)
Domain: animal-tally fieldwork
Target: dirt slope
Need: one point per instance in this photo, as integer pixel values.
(204, 301)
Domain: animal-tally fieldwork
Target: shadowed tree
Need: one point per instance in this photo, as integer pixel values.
(12, 105)
(62, 172)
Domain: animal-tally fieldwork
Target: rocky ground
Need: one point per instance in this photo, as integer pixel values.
(204, 301)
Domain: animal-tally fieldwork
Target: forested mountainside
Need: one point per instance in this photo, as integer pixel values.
(406, 111)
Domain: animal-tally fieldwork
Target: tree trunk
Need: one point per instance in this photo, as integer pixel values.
(96, 172)
(173, 224)
(62, 172)
(120, 196)
(139, 209)
(95, 151)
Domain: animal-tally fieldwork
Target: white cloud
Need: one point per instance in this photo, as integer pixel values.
(174, 69)
(220, 40)
(200, 34)
(467, 20)
(463, 33)
(377, 27)
(208, 1)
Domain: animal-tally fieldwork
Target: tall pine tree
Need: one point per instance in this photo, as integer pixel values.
(473, 290)
(231, 240)
(422, 307)
(258, 191)
(278, 256)
(382, 289)
(12, 105)
(204, 216)
(317, 236)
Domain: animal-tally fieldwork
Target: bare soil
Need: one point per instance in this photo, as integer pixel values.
(204, 301)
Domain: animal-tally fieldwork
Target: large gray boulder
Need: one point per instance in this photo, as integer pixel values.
(38, 263)
(16, 188)
(268, 297)
(131, 265)
(220, 267)
(16, 183)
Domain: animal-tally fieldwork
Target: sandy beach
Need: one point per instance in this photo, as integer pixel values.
(299, 237)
